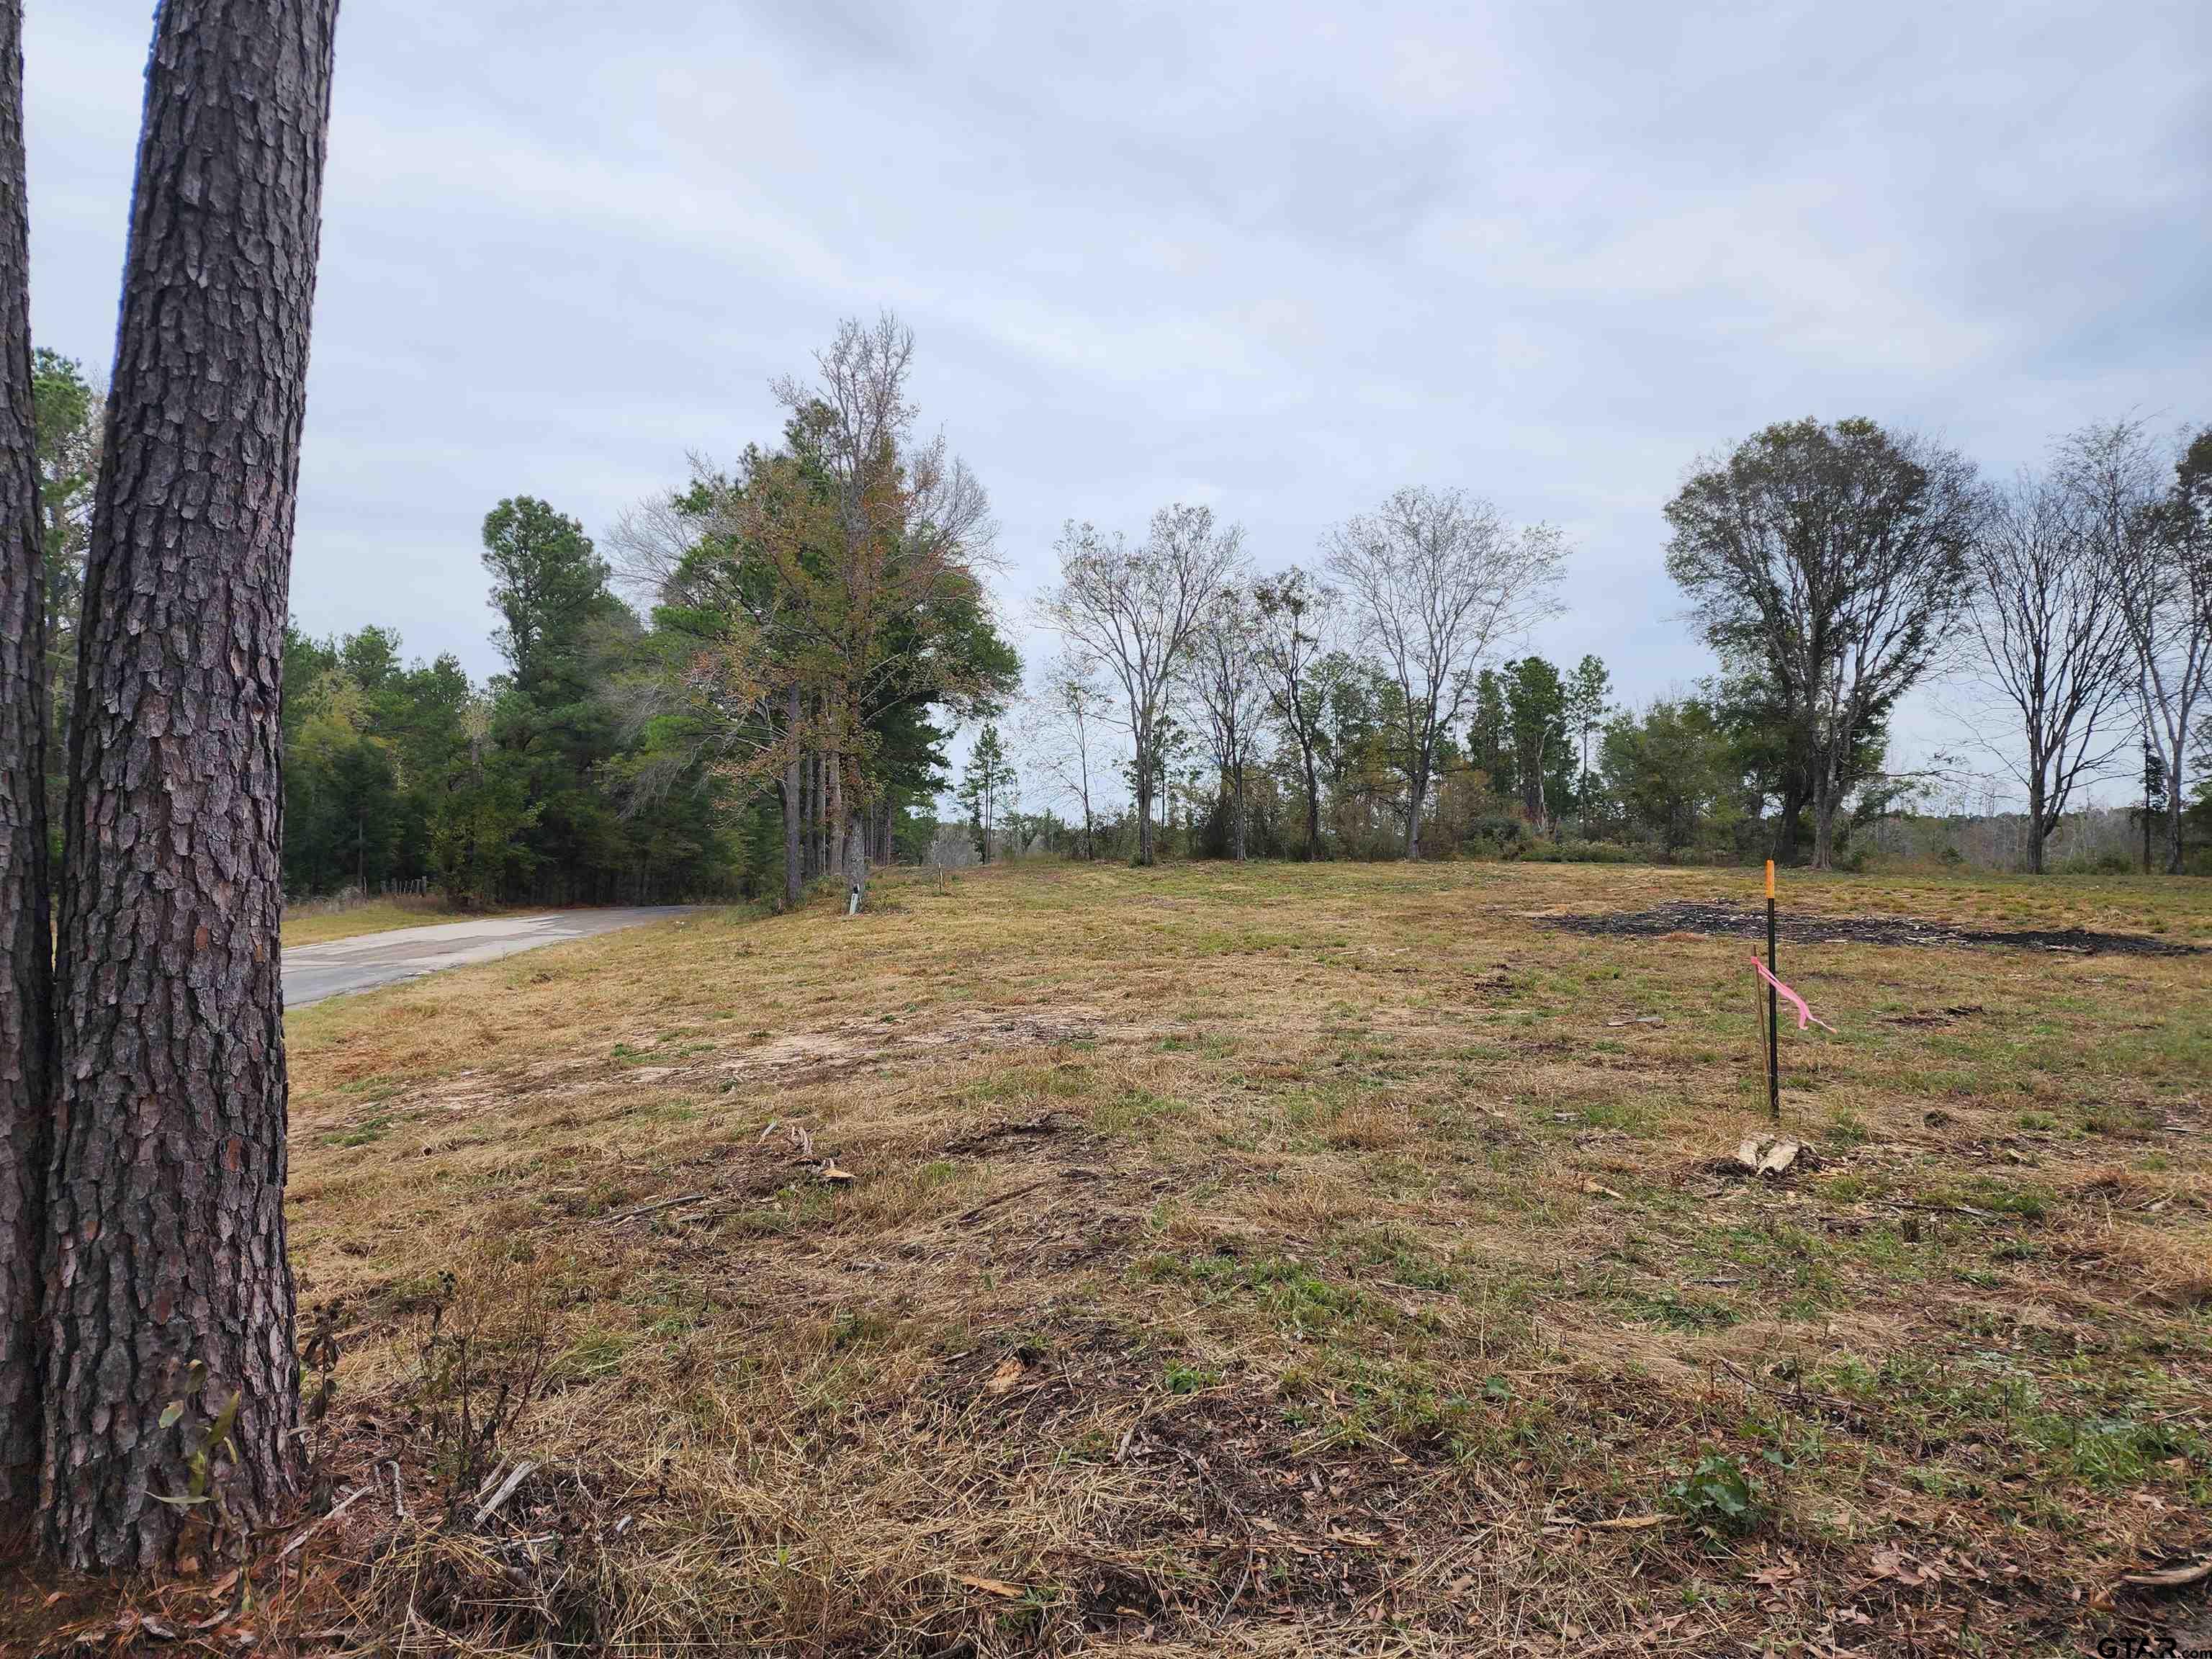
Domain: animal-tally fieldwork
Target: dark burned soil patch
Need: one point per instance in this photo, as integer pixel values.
(1692, 917)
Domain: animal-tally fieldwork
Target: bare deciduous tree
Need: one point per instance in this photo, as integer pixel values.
(2053, 643)
(1059, 732)
(1133, 609)
(1833, 558)
(1222, 675)
(1296, 618)
(1436, 579)
(2154, 542)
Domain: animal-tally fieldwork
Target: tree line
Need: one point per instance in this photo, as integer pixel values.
(516, 792)
(636, 758)
(1368, 706)
(811, 618)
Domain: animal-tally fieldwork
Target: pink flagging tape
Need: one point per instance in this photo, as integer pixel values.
(1804, 1014)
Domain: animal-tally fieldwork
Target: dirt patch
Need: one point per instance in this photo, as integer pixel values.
(1690, 918)
(804, 1056)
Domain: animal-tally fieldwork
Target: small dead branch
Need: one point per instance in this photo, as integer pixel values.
(492, 1505)
(314, 1526)
(2171, 1577)
(993, 1201)
(648, 1209)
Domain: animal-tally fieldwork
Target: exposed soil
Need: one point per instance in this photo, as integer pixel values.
(1692, 917)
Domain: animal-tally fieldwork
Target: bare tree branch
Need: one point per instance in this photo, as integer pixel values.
(1134, 609)
(1436, 580)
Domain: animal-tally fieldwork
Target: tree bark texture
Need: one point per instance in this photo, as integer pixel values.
(2173, 811)
(856, 857)
(1826, 798)
(165, 1244)
(1312, 801)
(1145, 790)
(25, 940)
(793, 809)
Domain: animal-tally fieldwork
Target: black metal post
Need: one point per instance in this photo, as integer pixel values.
(1773, 1012)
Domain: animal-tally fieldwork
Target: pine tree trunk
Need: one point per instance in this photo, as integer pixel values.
(25, 940)
(794, 810)
(1582, 792)
(167, 1221)
(808, 817)
(821, 817)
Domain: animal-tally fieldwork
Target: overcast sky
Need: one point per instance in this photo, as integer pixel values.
(1277, 258)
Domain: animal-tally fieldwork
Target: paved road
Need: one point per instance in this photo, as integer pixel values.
(312, 972)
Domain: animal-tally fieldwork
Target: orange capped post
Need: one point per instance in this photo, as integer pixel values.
(1773, 1012)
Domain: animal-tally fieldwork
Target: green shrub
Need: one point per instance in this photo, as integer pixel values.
(1497, 837)
(1594, 852)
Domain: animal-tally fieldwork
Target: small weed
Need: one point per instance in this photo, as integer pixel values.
(1716, 1496)
(1847, 1128)
(1182, 1379)
(478, 1362)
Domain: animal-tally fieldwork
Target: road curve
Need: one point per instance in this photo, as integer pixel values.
(314, 972)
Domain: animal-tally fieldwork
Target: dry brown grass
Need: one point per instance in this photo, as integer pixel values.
(318, 923)
(1281, 1261)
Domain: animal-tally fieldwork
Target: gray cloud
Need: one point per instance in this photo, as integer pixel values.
(1272, 257)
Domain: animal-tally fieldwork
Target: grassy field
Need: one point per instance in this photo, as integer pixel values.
(1273, 1261)
(313, 926)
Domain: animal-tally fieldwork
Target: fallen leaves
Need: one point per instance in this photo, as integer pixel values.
(1894, 1566)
